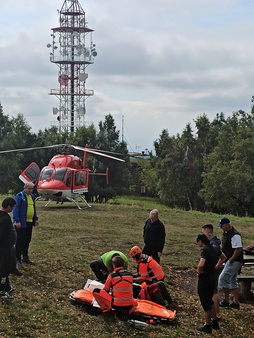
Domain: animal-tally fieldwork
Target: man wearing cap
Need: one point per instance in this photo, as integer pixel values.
(206, 282)
(232, 247)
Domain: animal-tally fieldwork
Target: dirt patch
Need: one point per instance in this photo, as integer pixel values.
(182, 282)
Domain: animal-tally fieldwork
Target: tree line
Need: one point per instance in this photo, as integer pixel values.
(208, 167)
(211, 169)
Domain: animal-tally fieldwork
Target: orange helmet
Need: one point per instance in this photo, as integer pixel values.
(135, 250)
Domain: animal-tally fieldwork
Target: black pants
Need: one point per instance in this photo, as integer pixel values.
(151, 251)
(5, 269)
(164, 294)
(206, 286)
(99, 269)
(24, 236)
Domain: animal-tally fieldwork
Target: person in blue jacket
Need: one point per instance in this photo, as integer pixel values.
(24, 218)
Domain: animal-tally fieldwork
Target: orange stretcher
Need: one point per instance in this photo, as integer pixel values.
(146, 310)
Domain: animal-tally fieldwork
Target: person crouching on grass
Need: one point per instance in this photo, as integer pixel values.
(119, 283)
(206, 282)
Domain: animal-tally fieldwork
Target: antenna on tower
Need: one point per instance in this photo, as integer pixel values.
(122, 128)
(72, 53)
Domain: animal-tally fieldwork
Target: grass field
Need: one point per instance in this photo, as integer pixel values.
(68, 239)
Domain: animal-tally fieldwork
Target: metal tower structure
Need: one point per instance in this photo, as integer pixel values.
(72, 53)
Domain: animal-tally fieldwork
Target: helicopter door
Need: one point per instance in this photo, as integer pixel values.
(30, 174)
(80, 184)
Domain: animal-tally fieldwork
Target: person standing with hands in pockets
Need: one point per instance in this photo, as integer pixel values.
(24, 217)
(154, 236)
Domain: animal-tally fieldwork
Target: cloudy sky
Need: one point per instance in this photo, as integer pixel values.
(160, 64)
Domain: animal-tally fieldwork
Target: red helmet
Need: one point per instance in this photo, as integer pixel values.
(135, 251)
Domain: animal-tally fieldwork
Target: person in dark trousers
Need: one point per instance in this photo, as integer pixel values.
(207, 230)
(154, 236)
(24, 218)
(206, 282)
(8, 239)
(103, 266)
(157, 293)
(232, 247)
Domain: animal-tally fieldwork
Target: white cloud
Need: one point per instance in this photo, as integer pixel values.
(159, 64)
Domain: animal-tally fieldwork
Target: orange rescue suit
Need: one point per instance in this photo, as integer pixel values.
(150, 270)
(120, 283)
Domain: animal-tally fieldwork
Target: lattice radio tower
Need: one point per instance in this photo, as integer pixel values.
(72, 53)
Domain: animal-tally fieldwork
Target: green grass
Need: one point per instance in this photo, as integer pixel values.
(68, 239)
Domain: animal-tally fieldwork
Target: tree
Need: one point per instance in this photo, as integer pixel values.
(228, 177)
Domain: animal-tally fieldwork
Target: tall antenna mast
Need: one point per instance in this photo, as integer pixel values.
(71, 52)
(122, 128)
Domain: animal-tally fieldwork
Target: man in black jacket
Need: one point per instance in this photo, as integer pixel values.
(8, 237)
(154, 236)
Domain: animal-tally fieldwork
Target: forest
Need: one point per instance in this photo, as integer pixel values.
(208, 167)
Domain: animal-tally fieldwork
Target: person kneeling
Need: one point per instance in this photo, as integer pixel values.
(119, 283)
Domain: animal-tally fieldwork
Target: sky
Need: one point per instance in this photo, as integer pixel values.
(160, 64)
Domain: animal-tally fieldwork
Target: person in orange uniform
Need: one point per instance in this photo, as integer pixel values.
(149, 270)
(119, 284)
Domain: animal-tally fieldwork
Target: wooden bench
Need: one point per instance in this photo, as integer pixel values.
(245, 285)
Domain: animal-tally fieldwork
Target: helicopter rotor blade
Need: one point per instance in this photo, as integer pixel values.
(96, 152)
(29, 149)
(65, 147)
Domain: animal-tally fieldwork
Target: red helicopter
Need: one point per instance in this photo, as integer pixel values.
(66, 177)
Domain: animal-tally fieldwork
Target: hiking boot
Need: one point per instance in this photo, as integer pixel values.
(224, 303)
(6, 296)
(26, 260)
(233, 305)
(123, 315)
(16, 272)
(215, 324)
(172, 305)
(206, 328)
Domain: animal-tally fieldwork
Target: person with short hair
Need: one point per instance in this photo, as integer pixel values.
(206, 282)
(103, 266)
(232, 247)
(25, 218)
(8, 239)
(149, 270)
(154, 236)
(119, 282)
(207, 230)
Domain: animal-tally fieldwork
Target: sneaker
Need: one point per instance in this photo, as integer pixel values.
(16, 272)
(224, 303)
(234, 306)
(172, 305)
(206, 328)
(7, 296)
(11, 290)
(26, 260)
(215, 324)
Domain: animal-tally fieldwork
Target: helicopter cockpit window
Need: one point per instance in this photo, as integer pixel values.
(46, 173)
(80, 178)
(59, 174)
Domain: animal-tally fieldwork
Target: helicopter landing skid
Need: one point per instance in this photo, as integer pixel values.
(78, 205)
(87, 205)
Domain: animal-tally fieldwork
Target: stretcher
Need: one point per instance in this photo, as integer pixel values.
(145, 311)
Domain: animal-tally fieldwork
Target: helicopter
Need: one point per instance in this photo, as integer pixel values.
(66, 176)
